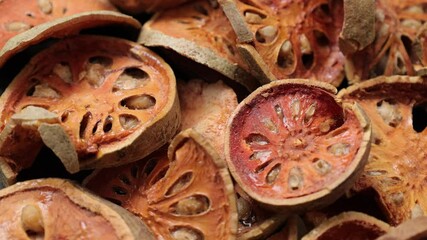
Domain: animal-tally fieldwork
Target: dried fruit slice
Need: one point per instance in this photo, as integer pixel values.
(255, 222)
(206, 107)
(397, 24)
(397, 161)
(188, 196)
(414, 229)
(291, 146)
(139, 6)
(58, 209)
(202, 33)
(115, 99)
(290, 38)
(349, 225)
(18, 15)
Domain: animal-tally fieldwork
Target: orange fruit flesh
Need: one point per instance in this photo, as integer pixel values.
(62, 219)
(102, 94)
(173, 197)
(291, 142)
(18, 16)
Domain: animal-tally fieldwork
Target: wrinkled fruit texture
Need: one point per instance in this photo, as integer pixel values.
(188, 197)
(105, 91)
(18, 15)
(396, 49)
(396, 168)
(297, 38)
(288, 140)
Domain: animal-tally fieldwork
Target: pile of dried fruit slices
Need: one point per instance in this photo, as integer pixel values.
(213, 119)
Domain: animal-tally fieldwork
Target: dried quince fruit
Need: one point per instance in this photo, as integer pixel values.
(115, 100)
(396, 165)
(349, 225)
(58, 209)
(291, 146)
(201, 32)
(185, 195)
(289, 39)
(414, 229)
(18, 15)
(139, 6)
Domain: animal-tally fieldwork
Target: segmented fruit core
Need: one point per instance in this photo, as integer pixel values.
(291, 140)
(103, 89)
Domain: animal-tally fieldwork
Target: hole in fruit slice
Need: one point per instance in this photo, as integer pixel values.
(180, 184)
(192, 205)
(181, 233)
(131, 78)
(140, 102)
(419, 117)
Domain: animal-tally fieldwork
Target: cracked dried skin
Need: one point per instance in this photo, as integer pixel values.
(293, 156)
(297, 38)
(191, 195)
(104, 95)
(206, 107)
(392, 52)
(23, 15)
(396, 167)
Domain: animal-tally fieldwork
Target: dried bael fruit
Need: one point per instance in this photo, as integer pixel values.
(255, 222)
(186, 196)
(115, 100)
(139, 6)
(206, 107)
(58, 209)
(349, 225)
(290, 38)
(202, 33)
(291, 146)
(397, 24)
(414, 229)
(18, 15)
(398, 152)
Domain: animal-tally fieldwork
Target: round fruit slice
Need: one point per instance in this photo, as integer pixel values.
(58, 209)
(116, 100)
(397, 24)
(19, 15)
(254, 221)
(188, 196)
(292, 38)
(349, 225)
(140, 6)
(414, 229)
(201, 32)
(397, 162)
(292, 146)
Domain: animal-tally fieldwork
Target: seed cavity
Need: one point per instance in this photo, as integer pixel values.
(339, 149)
(419, 117)
(417, 211)
(186, 233)
(295, 108)
(286, 58)
(119, 190)
(270, 125)
(45, 6)
(321, 38)
(180, 184)
(256, 139)
(159, 176)
(295, 179)
(389, 112)
(322, 12)
(397, 198)
(254, 17)
(279, 112)
(96, 69)
(244, 210)
(45, 91)
(390, 181)
(376, 173)
(273, 174)
(124, 179)
(32, 221)
(192, 205)
(266, 34)
(260, 155)
(128, 121)
(84, 123)
(139, 102)
(322, 166)
(17, 26)
(63, 71)
(310, 112)
(131, 78)
(108, 124)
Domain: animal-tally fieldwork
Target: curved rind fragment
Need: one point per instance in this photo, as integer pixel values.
(414, 229)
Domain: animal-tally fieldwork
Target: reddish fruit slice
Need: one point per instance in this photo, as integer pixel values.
(116, 100)
(139, 6)
(290, 145)
(188, 196)
(18, 15)
(397, 162)
(397, 23)
(57, 209)
(292, 38)
(414, 229)
(349, 225)
(202, 33)
(206, 107)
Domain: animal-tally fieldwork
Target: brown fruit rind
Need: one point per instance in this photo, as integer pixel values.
(294, 229)
(349, 225)
(116, 148)
(414, 229)
(325, 194)
(41, 194)
(63, 27)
